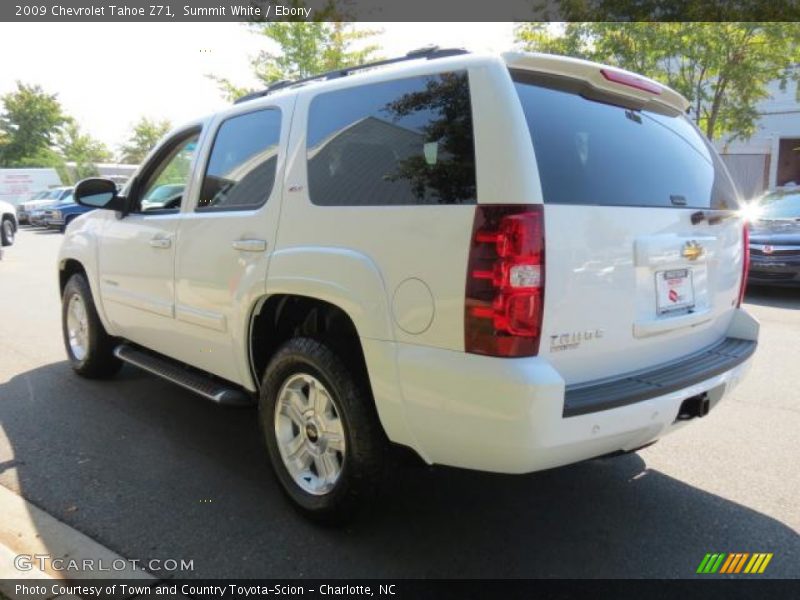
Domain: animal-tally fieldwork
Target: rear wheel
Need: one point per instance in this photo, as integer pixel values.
(7, 232)
(325, 442)
(89, 347)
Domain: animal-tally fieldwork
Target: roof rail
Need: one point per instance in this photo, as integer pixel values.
(427, 52)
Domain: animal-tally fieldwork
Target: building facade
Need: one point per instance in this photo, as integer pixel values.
(770, 160)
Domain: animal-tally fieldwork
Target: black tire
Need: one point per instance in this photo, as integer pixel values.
(99, 361)
(367, 447)
(7, 232)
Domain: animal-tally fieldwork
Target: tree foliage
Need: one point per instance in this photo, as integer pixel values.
(722, 68)
(145, 135)
(667, 10)
(304, 49)
(29, 123)
(76, 146)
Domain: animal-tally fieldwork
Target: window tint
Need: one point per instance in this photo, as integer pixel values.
(407, 141)
(241, 168)
(167, 180)
(595, 152)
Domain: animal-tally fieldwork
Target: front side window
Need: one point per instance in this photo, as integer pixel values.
(241, 169)
(401, 142)
(166, 182)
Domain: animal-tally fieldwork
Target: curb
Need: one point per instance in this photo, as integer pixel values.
(27, 529)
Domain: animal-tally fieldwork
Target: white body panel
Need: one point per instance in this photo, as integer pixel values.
(601, 278)
(399, 273)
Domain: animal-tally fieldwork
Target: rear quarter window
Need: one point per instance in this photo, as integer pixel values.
(599, 153)
(402, 142)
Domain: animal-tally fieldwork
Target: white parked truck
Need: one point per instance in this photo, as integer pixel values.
(506, 263)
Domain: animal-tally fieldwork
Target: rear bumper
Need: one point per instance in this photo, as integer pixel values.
(508, 415)
(651, 383)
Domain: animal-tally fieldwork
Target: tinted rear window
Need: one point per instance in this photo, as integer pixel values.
(594, 152)
(407, 141)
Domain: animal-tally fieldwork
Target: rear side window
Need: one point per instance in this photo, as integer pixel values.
(591, 151)
(241, 168)
(408, 141)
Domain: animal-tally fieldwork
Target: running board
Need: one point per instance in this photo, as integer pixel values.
(186, 377)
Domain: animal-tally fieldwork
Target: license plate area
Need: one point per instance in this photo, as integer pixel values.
(674, 291)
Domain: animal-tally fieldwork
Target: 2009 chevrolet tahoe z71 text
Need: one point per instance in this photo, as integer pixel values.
(503, 263)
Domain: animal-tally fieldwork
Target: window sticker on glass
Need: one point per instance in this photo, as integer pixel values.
(431, 151)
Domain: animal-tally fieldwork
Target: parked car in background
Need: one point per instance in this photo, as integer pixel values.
(775, 241)
(163, 196)
(63, 213)
(22, 212)
(8, 223)
(43, 199)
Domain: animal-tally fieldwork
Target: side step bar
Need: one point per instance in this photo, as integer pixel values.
(191, 379)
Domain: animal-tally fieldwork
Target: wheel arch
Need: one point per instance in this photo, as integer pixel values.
(67, 267)
(70, 265)
(281, 316)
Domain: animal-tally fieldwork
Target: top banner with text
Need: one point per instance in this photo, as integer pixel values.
(394, 10)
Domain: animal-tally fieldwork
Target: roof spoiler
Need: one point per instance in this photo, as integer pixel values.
(603, 78)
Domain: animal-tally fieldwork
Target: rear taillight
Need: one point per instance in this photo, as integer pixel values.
(745, 261)
(505, 281)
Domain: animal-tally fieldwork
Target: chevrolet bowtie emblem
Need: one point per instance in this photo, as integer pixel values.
(692, 250)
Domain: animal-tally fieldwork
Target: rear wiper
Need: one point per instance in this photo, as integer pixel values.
(712, 216)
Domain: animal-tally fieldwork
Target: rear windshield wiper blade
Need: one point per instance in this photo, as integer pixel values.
(712, 216)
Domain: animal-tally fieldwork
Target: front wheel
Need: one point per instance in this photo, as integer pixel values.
(7, 232)
(89, 347)
(325, 442)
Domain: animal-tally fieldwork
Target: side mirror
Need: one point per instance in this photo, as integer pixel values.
(96, 192)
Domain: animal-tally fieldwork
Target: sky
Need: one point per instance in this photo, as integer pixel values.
(108, 75)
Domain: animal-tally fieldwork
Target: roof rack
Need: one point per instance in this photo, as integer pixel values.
(427, 52)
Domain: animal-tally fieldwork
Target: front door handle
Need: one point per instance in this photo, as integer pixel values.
(250, 245)
(161, 242)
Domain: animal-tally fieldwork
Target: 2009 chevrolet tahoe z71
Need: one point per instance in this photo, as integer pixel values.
(503, 263)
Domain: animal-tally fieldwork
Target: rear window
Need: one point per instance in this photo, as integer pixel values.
(590, 151)
(401, 142)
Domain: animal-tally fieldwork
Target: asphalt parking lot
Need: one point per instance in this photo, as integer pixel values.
(151, 471)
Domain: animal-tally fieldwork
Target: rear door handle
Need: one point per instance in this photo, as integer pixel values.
(250, 245)
(161, 242)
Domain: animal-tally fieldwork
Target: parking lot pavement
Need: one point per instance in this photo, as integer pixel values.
(152, 471)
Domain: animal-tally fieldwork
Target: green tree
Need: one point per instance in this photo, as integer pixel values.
(80, 148)
(722, 68)
(29, 122)
(144, 136)
(305, 49)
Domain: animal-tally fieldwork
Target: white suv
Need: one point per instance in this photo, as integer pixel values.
(503, 263)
